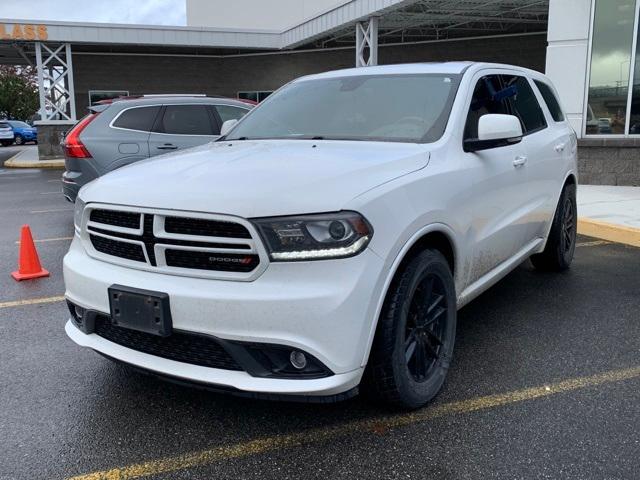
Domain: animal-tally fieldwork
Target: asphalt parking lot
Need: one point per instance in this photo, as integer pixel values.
(545, 384)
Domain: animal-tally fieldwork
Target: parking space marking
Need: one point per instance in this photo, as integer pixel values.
(46, 240)
(31, 301)
(51, 193)
(54, 180)
(53, 210)
(595, 243)
(322, 434)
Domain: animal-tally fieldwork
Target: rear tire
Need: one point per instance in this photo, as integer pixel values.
(414, 340)
(19, 140)
(561, 244)
(6, 143)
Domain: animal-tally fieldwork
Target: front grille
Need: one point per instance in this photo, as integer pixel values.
(182, 347)
(227, 262)
(206, 228)
(174, 244)
(116, 218)
(115, 248)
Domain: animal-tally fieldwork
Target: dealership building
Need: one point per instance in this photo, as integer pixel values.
(249, 48)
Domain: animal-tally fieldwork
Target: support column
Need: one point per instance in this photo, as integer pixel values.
(57, 98)
(55, 82)
(367, 42)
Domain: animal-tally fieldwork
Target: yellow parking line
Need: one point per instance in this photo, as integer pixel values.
(45, 240)
(53, 210)
(595, 243)
(31, 301)
(323, 434)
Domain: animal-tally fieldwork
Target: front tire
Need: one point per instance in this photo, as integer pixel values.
(561, 244)
(6, 143)
(416, 331)
(19, 140)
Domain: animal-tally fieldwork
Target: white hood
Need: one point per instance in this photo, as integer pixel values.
(259, 178)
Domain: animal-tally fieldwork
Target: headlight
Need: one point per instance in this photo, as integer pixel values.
(77, 214)
(315, 237)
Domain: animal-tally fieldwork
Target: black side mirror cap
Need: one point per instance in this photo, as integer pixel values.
(477, 145)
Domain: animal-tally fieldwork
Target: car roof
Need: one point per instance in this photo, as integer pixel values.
(446, 68)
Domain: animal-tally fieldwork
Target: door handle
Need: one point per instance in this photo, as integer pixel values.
(167, 146)
(560, 147)
(520, 161)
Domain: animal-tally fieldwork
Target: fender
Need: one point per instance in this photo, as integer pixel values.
(569, 173)
(393, 268)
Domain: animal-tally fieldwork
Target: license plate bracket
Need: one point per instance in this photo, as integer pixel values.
(142, 310)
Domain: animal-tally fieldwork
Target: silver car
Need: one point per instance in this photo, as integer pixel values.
(6, 133)
(126, 131)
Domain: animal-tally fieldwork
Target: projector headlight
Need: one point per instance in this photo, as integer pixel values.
(314, 237)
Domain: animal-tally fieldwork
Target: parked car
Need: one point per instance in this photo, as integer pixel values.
(604, 126)
(6, 133)
(23, 132)
(120, 132)
(325, 244)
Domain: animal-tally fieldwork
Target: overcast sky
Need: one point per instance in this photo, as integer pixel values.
(149, 12)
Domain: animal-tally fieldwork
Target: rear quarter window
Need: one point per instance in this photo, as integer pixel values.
(137, 118)
(551, 100)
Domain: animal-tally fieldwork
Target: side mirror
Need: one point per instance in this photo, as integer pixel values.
(227, 126)
(495, 130)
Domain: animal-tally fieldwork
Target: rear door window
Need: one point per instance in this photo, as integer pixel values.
(185, 120)
(137, 118)
(524, 103)
(551, 100)
(229, 112)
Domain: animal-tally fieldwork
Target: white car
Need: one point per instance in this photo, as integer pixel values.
(325, 244)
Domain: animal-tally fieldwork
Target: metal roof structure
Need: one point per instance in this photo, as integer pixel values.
(399, 21)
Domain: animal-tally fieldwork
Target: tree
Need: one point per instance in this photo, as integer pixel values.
(18, 92)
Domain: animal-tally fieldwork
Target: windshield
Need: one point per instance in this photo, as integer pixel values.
(401, 108)
(19, 124)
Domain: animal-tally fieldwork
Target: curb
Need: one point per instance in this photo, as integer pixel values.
(609, 231)
(13, 163)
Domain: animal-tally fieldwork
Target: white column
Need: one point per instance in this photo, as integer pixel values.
(367, 42)
(41, 92)
(55, 83)
(568, 55)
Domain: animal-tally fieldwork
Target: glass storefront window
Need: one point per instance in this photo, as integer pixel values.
(612, 41)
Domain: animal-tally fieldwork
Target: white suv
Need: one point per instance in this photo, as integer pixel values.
(324, 245)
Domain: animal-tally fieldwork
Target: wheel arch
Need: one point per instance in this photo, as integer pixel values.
(437, 236)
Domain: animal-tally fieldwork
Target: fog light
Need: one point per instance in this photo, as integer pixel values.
(298, 359)
(79, 313)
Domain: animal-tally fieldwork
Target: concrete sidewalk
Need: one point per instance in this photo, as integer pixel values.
(28, 158)
(610, 213)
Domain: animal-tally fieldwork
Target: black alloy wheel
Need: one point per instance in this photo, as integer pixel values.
(413, 345)
(561, 243)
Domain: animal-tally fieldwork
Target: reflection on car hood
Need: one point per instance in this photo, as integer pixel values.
(259, 178)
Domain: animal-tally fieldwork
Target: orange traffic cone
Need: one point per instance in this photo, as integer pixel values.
(29, 264)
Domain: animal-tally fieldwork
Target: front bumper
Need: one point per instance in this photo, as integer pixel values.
(324, 308)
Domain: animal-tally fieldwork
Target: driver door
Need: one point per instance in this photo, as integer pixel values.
(499, 183)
